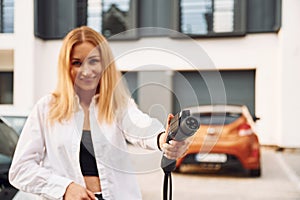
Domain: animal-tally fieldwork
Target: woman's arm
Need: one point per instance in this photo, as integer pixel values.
(26, 172)
(139, 128)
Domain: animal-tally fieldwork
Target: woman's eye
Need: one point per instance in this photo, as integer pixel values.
(94, 61)
(76, 63)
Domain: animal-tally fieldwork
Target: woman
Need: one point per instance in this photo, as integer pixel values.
(73, 145)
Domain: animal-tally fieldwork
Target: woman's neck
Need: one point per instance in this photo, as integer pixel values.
(85, 97)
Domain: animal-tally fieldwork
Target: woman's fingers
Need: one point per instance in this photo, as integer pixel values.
(170, 117)
(76, 192)
(175, 149)
(91, 195)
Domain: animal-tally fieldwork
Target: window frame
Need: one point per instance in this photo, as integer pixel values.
(239, 31)
(131, 33)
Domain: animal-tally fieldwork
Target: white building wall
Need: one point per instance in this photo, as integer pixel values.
(289, 96)
(260, 52)
(46, 59)
(24, 73)
(274, 56)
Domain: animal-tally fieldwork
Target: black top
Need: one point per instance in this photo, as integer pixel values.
(87, 156)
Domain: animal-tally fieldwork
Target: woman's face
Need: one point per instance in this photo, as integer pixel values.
(85, 66)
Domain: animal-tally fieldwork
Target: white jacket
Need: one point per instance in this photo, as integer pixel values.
(46, 158)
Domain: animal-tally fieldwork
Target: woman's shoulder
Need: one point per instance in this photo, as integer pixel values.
(42, 105)
(45, 100)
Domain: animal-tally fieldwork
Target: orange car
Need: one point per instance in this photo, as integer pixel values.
(226, 138)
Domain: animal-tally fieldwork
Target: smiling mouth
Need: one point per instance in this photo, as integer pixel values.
(90, 78)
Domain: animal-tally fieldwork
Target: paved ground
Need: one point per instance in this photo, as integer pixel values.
(290, 162)
(280, 180)
(292, 157)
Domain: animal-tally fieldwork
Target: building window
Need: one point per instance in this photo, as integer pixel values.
(209, 18)
(212, 17)
(6, 76)
(113, 18)
(6, 87)
(94, 16)
(263, 16)
(118, 19)
(81, 12)
(6, 16)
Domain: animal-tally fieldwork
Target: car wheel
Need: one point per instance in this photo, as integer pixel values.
(255, 172)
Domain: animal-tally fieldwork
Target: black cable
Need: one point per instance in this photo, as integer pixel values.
(167, 182)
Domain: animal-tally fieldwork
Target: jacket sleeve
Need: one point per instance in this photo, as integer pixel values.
(26, 172)
(139, 128)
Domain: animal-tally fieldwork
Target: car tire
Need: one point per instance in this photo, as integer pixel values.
(255, 172)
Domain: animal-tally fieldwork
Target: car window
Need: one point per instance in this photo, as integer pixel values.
(8, 139)
(16, 122)
(4, 160)
(218, 118)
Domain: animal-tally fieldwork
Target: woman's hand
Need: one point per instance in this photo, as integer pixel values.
(174, 149)
(76, 192)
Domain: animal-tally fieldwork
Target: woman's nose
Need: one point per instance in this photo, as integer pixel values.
(86, 69)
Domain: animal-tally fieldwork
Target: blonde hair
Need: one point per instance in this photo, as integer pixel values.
(113, 95)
